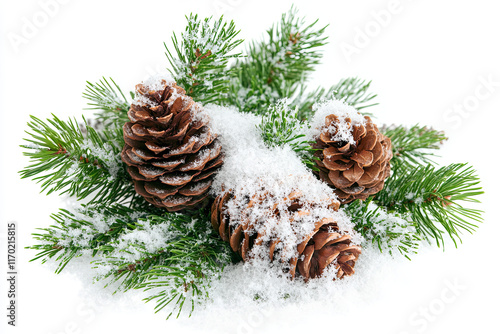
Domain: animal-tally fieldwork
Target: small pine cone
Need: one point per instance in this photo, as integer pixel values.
(169, 149)
(325, 246)
(356, 169)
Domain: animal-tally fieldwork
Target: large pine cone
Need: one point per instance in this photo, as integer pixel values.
(356, 169)
(325, 246)
(169, 149)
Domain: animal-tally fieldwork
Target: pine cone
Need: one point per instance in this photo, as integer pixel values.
(356, 169)
(169, 149)
(325, 246)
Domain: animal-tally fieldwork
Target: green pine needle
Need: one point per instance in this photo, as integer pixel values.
(179, 271)
(74, 232)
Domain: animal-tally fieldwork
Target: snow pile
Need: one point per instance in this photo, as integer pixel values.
(341, 130)
(248, 283)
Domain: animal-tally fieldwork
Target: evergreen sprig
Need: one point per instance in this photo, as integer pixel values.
(200, 61)
(281, 126)
(277, 67)
(189, 263)
(107, 98)
(414, 146)
(187, 254)
(389, 231)
(353, 91)
(87, 229)
(433, 198)
(65, 160)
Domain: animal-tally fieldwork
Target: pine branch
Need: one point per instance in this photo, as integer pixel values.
(108, 99)
(201, 57)
(433, 198)
(181, 260)
(413, 146)
(64, 160)
(388, 230)
(169, 255)
(354, 92)
(277, 67)
(280, 126)
(83, 231)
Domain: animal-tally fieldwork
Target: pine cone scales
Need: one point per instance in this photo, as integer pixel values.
(169, 149)
(356, 169)
(325, 246)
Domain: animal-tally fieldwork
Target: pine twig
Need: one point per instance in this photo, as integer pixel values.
(413, 146)
(281, 126)
(107, 98)
(170, 255)
(353, 91)
(88, 229)
(201, 57)
(179, 270)
(388, 230)
(433, 198)
(276, 67)
(66, 161)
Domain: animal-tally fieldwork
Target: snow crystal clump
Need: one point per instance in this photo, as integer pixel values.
(342, 130)
(106, 155)
(148, 237)
(385, 222)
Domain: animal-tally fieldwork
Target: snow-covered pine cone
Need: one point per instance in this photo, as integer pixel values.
(170, 151)
(356, 169)
(325, 246)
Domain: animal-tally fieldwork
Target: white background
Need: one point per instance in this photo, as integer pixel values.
(426, 58)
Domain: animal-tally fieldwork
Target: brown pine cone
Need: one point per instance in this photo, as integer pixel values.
(325, 246)
(356, 169)
(169, 149)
